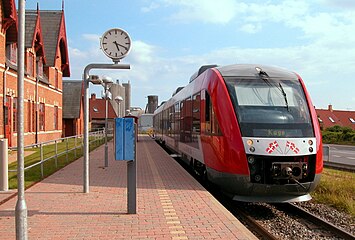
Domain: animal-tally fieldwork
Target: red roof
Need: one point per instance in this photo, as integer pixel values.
(97, 108)
(329, 117)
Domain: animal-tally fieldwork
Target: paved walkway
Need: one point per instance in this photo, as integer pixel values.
(171, 204)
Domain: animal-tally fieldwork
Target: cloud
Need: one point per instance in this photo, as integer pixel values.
(324, 59)
(91, 37)
(344, 4)
(187, 11)
(151, 7)
(250, 28)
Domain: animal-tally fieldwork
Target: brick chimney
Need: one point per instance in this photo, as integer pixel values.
(330, 108)
(93, 96)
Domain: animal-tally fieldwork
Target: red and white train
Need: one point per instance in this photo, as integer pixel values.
(250, 129)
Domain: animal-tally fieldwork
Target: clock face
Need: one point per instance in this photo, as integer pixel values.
(116, 43)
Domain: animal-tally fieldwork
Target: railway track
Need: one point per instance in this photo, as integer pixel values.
(263, 222)
(295, 210)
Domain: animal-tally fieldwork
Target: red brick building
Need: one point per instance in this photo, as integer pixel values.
(46, 62)
(330, 117)
(97, 113)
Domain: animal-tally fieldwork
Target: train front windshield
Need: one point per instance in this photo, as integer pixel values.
(270, 107)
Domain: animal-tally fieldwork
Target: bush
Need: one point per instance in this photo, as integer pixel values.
(338, 134)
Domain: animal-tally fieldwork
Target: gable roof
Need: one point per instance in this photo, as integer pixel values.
(72, 95)
(9, 21)
(329, 117)
(54, 38)
(31, 21)
(33, 33)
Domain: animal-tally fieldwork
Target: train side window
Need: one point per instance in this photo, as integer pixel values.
(212, 126)
(182, 135)
(171, 121)
(188, 119)
(177, 120)
(208, 107)
(196, 113)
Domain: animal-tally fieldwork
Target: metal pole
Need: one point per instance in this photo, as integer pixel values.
(86, 113)
(132, 180)
(86, 129)
(106, 126)
(4, 165)
(21, 207)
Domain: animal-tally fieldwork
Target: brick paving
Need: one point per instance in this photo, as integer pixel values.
(170, 203)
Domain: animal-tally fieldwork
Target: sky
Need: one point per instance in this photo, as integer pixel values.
(171, 39)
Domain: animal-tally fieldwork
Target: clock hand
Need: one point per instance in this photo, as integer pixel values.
(117, 45)
(122, 46)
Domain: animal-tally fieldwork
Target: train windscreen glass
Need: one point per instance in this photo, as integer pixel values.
(270, 107)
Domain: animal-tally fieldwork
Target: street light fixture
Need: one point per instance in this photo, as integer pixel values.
(95, 79)
(118, 100)
(106, 83)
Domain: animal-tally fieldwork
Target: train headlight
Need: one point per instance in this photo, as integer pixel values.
(310, 149)
(310, 142)
(252, 149)
(251, 160)
(249, 142)
(257, 178)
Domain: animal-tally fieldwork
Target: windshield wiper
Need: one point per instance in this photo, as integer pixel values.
(285, 97)
(265, 77)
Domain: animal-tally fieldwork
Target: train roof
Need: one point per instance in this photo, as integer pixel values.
(249, 70)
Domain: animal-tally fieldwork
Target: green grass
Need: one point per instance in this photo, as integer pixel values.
(33, 174)
(337, 188)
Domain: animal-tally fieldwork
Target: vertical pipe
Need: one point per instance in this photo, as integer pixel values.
(21, 207)
(4, 165)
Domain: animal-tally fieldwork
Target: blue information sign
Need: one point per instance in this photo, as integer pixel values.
(124, 139)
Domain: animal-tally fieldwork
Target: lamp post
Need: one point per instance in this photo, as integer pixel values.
(87, 78)
(107, 83)
(118, 100)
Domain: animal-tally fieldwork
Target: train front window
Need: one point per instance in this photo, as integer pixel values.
(270, 108)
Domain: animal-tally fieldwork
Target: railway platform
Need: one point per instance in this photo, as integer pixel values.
(170, 203)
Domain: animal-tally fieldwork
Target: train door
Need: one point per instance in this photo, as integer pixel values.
(7, 119)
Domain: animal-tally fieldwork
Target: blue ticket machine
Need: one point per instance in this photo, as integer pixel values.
(125, 149)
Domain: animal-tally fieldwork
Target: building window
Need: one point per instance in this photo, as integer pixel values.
(14, 114)
(29, 114)
(11, 53)
(331, 119)
(55, 125)
(41, 116)
(30, 69)
(39, 63)
(352, 120)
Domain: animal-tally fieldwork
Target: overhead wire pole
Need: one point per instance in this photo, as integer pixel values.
(21, 207)
(86, 79)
